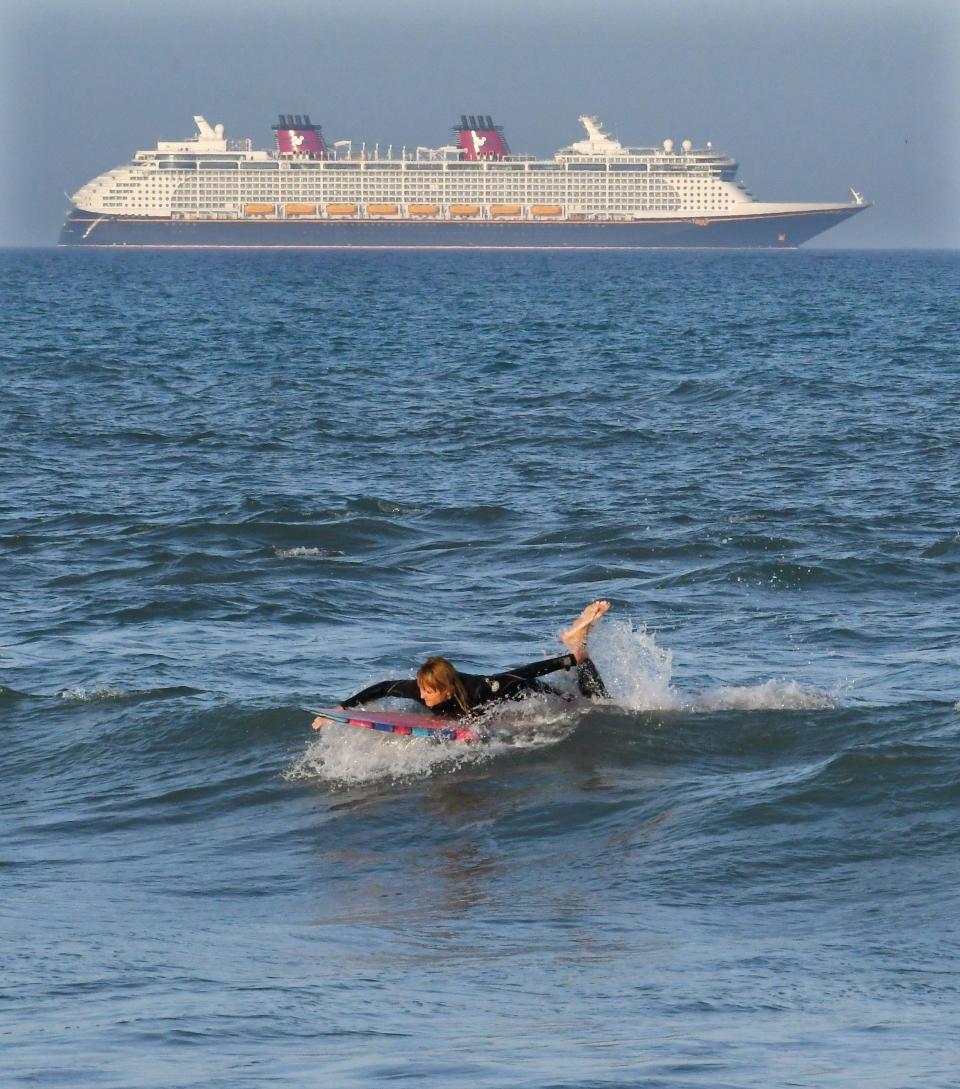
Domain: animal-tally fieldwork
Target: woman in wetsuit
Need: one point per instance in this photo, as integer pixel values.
(446, 691)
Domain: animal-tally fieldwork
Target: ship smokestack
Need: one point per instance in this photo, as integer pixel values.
(298, 137)
(480, 138)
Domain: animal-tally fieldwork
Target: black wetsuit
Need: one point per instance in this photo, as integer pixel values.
(482, 690)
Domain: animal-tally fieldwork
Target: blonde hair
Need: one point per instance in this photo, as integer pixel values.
(441, 675)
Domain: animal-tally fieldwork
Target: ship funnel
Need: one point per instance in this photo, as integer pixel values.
(297, 136)
(480, 138)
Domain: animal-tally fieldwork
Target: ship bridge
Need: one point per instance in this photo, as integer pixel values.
(600, 147)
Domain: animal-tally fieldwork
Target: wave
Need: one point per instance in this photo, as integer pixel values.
(772, 695)
(791, 575)
(106, 693)
(900, 783)
(948, 546)
(685, 781)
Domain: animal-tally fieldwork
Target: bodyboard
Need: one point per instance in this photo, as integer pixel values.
(401, 722)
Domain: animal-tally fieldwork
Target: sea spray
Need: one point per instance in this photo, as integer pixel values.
(638, 675)
(635, 670)
(345, 755)
(80, 694)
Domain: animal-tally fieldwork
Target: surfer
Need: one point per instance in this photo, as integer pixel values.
(442, 688)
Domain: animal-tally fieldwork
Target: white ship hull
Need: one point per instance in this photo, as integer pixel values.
(764, 231)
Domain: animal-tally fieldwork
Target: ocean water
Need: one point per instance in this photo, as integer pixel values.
(235, 484)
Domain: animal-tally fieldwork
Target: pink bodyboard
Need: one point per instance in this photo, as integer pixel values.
(401, 722)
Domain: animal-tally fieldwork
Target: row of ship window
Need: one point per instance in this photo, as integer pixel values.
(230, 208)
(505, 184)
(380, 183)
(387, 185)
(373, 167)
(392, 192)
(417, 182)
(553, 192)
(354, 187)
(395, 194)
(671, 206)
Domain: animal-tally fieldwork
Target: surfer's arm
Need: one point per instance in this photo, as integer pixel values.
(404, 690)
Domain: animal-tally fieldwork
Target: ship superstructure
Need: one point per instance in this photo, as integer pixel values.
(208, 190)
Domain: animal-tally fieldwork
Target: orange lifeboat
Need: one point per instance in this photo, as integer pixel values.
(504, 209)
(381, 209)
(423, 209)
(259, 209)
(341, 209)
(546, 210)
(464, 209)
(300, 209)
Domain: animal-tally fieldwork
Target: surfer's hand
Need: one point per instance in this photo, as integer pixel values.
(320, 721)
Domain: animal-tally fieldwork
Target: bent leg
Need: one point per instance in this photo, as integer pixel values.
(590, 682)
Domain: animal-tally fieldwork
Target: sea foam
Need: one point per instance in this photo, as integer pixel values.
(304, 553)
(92, 695)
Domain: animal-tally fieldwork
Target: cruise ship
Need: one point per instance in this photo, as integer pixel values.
(207, 191)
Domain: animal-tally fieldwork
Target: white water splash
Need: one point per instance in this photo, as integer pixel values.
(635, 670)
(637, 673)
(345, 755)
(92, 695)
(302, 553)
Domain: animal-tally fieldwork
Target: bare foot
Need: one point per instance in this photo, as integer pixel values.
(575, 637)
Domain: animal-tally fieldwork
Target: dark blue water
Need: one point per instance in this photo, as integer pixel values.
(234, 484)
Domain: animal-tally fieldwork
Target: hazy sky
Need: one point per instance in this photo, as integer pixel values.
(811, 97)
